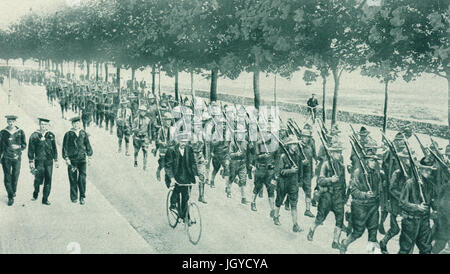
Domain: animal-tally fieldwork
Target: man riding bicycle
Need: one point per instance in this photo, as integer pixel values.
(181, 169)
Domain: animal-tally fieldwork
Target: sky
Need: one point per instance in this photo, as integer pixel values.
(11, 10)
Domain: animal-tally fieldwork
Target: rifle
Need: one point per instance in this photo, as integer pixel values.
(394, 152)
(297, 133)
(231, 129)
(422, 147)
(259, 130)
(415, 172)
(436, 147)
(327, 153)
(160, 117)
(356, 141)
(363, 167)
(285, 151)
(322, 129)
(440, 161)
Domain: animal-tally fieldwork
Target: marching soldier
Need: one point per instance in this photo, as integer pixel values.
(396, 185)
(12, 144)
(141, 135)
(265, 169)
(287, 178)
(309, 150)
(389, 166)
(164, 140)
(199, 151)
(124, 125)
(332, 188)
(42, 153)
(365, 190)
(220, 147)
(75, 149)
(239, 157)
(416, 229)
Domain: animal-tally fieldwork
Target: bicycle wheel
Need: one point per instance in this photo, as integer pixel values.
(194, 223)
(172, 215)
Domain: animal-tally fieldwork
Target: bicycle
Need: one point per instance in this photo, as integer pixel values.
(192, 220)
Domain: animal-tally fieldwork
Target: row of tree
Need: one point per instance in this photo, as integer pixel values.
(386, 39)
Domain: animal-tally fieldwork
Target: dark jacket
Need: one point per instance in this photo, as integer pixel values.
(76, 148)
(42, 147)
(183, 169)
(9, 138)
(359, 187)
(411, 198)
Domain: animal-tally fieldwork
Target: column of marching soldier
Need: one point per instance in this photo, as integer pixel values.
(385, 180)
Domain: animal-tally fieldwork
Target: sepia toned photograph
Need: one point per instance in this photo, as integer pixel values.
(200, 127)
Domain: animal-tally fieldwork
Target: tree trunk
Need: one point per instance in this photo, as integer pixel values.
(275, 90)
(447, 74)
(40, 64)
(256, 92)
(153, 79)
(324, 93)
(74, 68)
(192, 85)
(62, 68)
(386, 83)
(118, 78)
(96, 71)
(7, 62)
(133, 75)
(88, 70)
(336, 77)
(177, 97)
(106, 72)
(53, 65)
(213, 90)
(159, 82)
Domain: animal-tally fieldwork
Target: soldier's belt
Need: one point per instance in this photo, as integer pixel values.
(268, 166)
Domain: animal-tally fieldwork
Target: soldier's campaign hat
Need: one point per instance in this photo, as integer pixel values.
(398, 136)
(45, 120)
(307, 126)
(335, 130)
(183, 137)
(426, 163)
(167, 116)
(370, 154)
(142, 107)
(336, 147)
(163, 104)
(403, 153)
(187, 111)
(363, 131)
(75, 119)
(11, 117)
(306, 133)
(124, 101)
(215, 110)
(206, 116)
(291, 140)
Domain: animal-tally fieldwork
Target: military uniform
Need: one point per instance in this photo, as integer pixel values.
(415, 228)
(239, 159)
(365, 203)
(12, 143)
(76, 147)
(124, 125)
(141, 137)
(332, 195)
(287, 175)
(42, 153)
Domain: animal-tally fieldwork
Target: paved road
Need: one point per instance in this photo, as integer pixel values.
(64, 227)
(139, 198)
